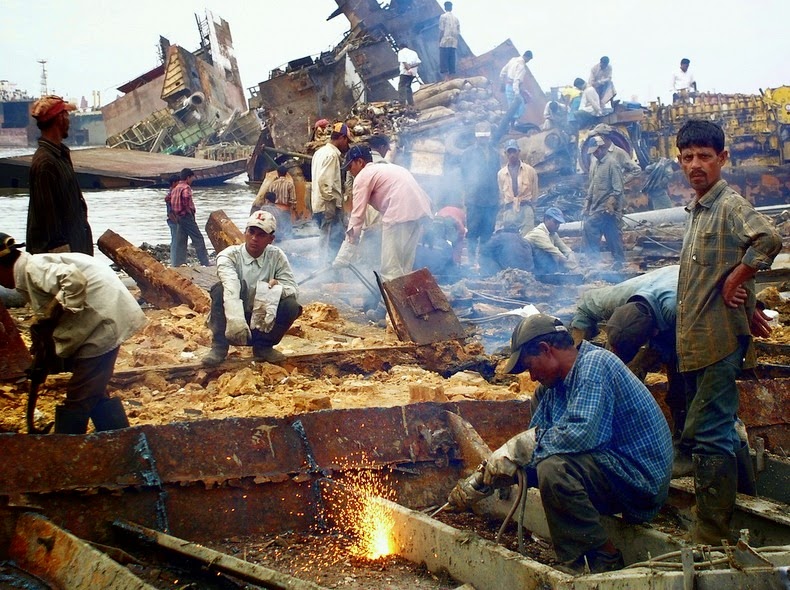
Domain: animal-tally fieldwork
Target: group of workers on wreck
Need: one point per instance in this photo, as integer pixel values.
(597, 442)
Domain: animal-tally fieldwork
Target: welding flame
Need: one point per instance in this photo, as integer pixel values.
(374, 531)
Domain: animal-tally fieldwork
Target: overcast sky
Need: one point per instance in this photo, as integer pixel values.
(734, 45)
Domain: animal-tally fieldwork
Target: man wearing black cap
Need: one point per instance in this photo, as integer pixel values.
(92, 313)
(597, 443)
(57, 216)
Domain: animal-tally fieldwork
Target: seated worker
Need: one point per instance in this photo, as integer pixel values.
(90, 312)
(506, 249)
(239, 314)
(597, 444)
(549, 252)
(283, 218)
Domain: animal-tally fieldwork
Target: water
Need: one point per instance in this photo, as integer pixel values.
(137, 214)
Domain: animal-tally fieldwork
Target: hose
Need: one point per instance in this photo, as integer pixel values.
(660, 561)
(519, 502)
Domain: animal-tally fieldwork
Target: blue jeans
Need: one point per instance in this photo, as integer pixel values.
(188, 229)
(712, 399)
(510, 96)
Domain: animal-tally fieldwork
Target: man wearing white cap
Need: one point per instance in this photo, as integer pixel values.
(603, 207)
(57, 216)
(255, 301)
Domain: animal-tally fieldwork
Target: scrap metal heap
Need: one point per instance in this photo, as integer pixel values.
(192, 99)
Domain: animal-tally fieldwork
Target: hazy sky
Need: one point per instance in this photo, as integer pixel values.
(734, 45)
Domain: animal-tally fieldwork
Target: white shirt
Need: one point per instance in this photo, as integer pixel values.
(590, 102)
(516, 72)
(326, 185)
(449, 30)
(408, 60)
(541, 239)
(682, 80)
(100, 312)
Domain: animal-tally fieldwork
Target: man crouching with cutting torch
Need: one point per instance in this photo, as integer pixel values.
(597, 444)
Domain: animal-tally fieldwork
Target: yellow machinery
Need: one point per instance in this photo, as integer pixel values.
(757, 126)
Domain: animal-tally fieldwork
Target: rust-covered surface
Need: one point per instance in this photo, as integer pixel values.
(421, 307)
(14, 356)
(233, 476)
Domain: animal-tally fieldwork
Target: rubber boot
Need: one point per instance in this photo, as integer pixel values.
(715, 482)
(109, 415)
(747, 481)
(70, 421)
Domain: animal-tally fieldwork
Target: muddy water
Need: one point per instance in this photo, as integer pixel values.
(136, 214)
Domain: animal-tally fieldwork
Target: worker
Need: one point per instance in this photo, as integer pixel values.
(284, 189)
(638, 311)
(449, 32)
(183, 206)
(555, 116)
(379, 148)
(518, 189)
(255, 301)
(601, 80)
(684, 86)
(656, 185)
(404, 206)
(514, 77)
(90, 313)
(597, 444)
(480, 189)
(172, 222)
(726, 242)
(630, 168)
(506, 249)
(603, 206)
(589, 105)
(57, 215)
(409, 62)
(327, 190)
(549, 253)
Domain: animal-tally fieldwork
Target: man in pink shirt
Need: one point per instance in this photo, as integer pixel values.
(404, 206)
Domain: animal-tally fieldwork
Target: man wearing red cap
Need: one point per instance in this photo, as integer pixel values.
(57, 216)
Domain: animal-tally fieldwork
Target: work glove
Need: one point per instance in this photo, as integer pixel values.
(505, 461)
(469, 491)
(237, 331)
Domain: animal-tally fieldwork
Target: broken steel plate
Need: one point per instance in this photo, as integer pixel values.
(422, 309)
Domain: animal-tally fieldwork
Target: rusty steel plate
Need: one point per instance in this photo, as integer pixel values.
(421, 307)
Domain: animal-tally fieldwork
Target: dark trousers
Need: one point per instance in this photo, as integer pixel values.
(447, 60)
(545, 263)
(405, 95)
(88, 383)
(606, 225)
(713, 398)
(173, 226)
(575, 493)
(188, 229)
(287, 312)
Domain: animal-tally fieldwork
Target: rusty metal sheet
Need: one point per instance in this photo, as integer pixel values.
(422, 308)
(217, 450)
(54, 462)
(14, 355)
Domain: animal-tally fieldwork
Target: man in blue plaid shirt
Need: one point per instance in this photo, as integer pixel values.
(597, 443)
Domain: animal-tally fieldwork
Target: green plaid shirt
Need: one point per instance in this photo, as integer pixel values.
(722, 231)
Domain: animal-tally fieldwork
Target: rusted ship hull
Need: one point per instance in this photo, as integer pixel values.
(209, 480)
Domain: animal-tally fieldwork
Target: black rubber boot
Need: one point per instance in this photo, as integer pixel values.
(69, 421)
(715, 482)
(747, 481)
(109, 415)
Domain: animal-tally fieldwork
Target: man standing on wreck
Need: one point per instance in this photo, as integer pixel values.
(725, 243)
(57, 216)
